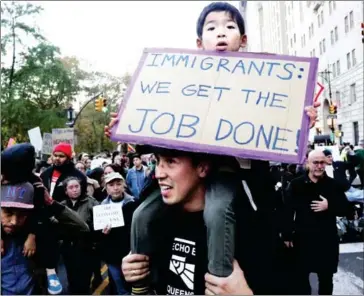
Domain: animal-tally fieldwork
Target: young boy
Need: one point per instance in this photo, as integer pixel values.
(220, 27)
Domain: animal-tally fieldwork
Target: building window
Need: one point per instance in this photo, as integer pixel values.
(312, 29)
(304, 39)
(324, 45)
(352, 93)
(353, 57)
(320, 48)
(351, 17)
(356, 133)
(322, 17)
(348, 60)
(332, 37)
(330, 7)
(314, 52)
(318, 20)
(338, 67)
(294, 37)
(346, 24)
(334, 70)
(336, 34)
(337, 97)
(334, 5)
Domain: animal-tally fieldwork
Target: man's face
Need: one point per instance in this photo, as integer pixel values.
(137, 162)
(178, 178)
(220, 32)
(329, 159)
(12, 219)
(115, 188)
(81, 167)
(88, 163)
(317, 164)
(59, 158)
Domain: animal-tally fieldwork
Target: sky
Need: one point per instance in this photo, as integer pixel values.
(110, 35)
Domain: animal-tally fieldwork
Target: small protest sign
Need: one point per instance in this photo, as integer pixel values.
(65, 135)
(241, 104)
(109, 214)
(35, 138)
(47, 147)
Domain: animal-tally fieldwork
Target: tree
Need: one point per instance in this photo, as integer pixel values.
(92, 123)
(43, 88)
(13, 17)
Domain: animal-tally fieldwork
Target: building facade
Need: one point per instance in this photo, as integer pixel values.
(331, 31)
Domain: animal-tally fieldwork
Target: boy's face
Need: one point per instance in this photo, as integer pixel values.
(179, 179)
(12, 219)
(220, 32)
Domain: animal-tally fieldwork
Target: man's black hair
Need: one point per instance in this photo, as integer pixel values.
(220, 6)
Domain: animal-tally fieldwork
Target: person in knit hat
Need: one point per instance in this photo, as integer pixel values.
(62, 168)
(52, 178)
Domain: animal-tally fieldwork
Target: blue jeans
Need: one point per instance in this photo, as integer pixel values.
(115, 273)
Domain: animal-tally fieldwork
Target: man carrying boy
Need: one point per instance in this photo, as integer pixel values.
(181, 259)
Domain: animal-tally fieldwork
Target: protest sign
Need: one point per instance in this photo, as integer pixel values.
(109, 214)
(241, 104)
(47, 147)
(35, 138)
(65, 135)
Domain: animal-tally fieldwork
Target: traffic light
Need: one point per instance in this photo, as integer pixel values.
(362, 32)
(104, 103)
(99, 104)
(333, 109)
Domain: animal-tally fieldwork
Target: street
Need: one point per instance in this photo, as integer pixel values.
(349, 278)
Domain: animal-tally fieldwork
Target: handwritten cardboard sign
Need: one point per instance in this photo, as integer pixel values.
(109, 214)
(47, 147)
(65, 135)
(241, 104)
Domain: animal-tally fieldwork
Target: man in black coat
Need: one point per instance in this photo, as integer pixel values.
(312, 203)
(62, 168)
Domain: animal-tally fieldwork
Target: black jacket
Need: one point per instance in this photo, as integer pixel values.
(314, 234)
(116, 245)
(67, 170)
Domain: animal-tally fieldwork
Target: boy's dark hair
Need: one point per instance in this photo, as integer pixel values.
(220, 6)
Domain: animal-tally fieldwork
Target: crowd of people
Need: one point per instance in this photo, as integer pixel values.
(194, 223)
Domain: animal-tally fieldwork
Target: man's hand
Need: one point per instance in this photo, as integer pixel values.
(113, 121)
(234, 284)
(47, 198)
(288, 244)
(135, 267)
(320, 206)
(2, 248)
(311, 111)
(107, 229)
(29, 246)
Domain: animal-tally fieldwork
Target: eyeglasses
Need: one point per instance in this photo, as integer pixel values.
(319, 162)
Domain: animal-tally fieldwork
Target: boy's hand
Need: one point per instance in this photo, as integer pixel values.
(29, 246)
(2, 248)
(113, 121)
(234, 284)
(311, 111)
